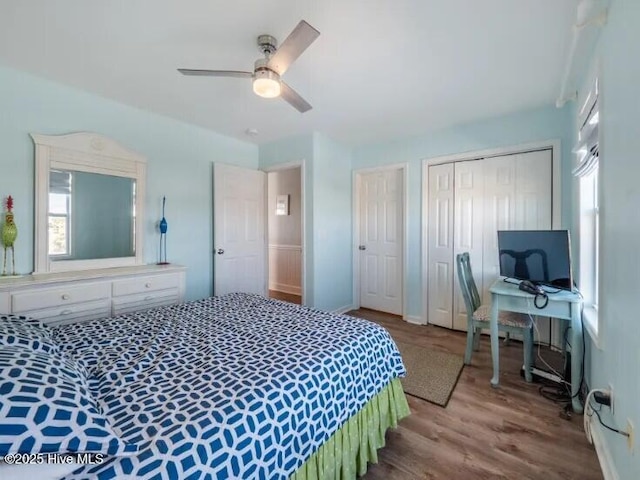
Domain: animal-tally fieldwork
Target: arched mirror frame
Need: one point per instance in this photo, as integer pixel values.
(92, 153)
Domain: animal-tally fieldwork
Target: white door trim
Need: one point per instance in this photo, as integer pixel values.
(303, 219)
(356, 176)
(556, 192)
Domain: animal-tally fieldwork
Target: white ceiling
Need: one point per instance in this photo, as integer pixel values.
(381, 69)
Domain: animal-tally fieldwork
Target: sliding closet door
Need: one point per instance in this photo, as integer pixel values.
(500, 181)
(441, 266)
(468, 231)
(517, 196)
(468, 202)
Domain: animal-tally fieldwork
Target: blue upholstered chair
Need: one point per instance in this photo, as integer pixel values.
(478, 316)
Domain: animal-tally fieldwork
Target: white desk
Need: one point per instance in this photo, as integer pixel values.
(564, 305)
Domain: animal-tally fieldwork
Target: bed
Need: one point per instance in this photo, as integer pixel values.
(237, 386)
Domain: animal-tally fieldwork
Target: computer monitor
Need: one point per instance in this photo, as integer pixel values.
(541, 256)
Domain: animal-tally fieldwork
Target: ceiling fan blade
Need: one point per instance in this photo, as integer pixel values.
(297, 42)
(296, 101)
(215, 73)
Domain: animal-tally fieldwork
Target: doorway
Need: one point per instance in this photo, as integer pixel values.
(285, 234)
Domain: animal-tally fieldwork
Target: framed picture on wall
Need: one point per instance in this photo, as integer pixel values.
(282, 204)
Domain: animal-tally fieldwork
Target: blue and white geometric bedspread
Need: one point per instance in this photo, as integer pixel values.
(237, 386)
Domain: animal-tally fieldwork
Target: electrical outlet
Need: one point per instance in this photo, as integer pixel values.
(631, 437)
(611, 397)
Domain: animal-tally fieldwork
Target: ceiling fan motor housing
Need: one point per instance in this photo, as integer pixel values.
(267, 45)
(262, 70)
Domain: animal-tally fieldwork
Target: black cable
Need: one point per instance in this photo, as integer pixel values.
(597, 412)
(583, 352)
(556, 394)
(566, 336)
(546, 289)
(545, 302)
(563, 393)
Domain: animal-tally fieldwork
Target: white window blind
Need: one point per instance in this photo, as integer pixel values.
(587, 148)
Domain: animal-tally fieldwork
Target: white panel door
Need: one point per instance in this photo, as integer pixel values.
(499, 214)
(533, 191)
(468, 229)
(381, 240)
(440, 261)
(239, 230)
(518, 196)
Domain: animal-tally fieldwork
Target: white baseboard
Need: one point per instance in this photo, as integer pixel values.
(290, 289)
(345, 309)
(414, 319)
(609, 471)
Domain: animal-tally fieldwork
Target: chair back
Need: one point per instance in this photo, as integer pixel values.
(467, 284)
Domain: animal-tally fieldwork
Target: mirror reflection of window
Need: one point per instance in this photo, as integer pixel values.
(59, 213)
(91, 216)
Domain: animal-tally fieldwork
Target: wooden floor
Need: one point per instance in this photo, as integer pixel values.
(287, 297)
(484, 433)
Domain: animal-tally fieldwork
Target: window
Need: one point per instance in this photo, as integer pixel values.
(589, 222)
(59, 213)
(587, 171)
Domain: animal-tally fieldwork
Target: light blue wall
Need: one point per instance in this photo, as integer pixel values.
(531, 126)
(617, 363)
(179, 159)
(332, 225)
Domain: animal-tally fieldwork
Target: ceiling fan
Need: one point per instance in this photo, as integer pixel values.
(276, 61)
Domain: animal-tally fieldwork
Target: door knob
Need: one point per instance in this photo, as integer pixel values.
(362, 247)
(220, 251)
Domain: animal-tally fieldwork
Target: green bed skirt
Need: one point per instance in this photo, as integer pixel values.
(346, 454)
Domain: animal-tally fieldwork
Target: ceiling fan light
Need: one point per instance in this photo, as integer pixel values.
(267, 84)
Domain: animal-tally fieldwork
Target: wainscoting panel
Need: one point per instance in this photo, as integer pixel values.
(285, 268)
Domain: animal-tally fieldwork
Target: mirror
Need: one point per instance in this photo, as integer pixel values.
(89, 199)
(90, 216)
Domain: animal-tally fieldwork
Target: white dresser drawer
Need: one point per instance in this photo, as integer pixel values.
(5, 303)
(60, 296)
(69, 297)
(72, 313)
(146, 300)
(150, 283)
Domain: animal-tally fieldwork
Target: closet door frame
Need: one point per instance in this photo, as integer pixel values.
(556, 193)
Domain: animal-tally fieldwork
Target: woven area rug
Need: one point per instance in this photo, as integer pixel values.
(431, 375)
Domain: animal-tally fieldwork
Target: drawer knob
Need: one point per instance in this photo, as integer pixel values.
(66, 312)
(147, 285)
(66, 296)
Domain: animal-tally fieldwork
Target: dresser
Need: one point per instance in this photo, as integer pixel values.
(66, 297)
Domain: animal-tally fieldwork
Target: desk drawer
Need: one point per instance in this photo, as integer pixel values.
(72, 313)
(23, 302)
(150, 283)
(144, 301)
